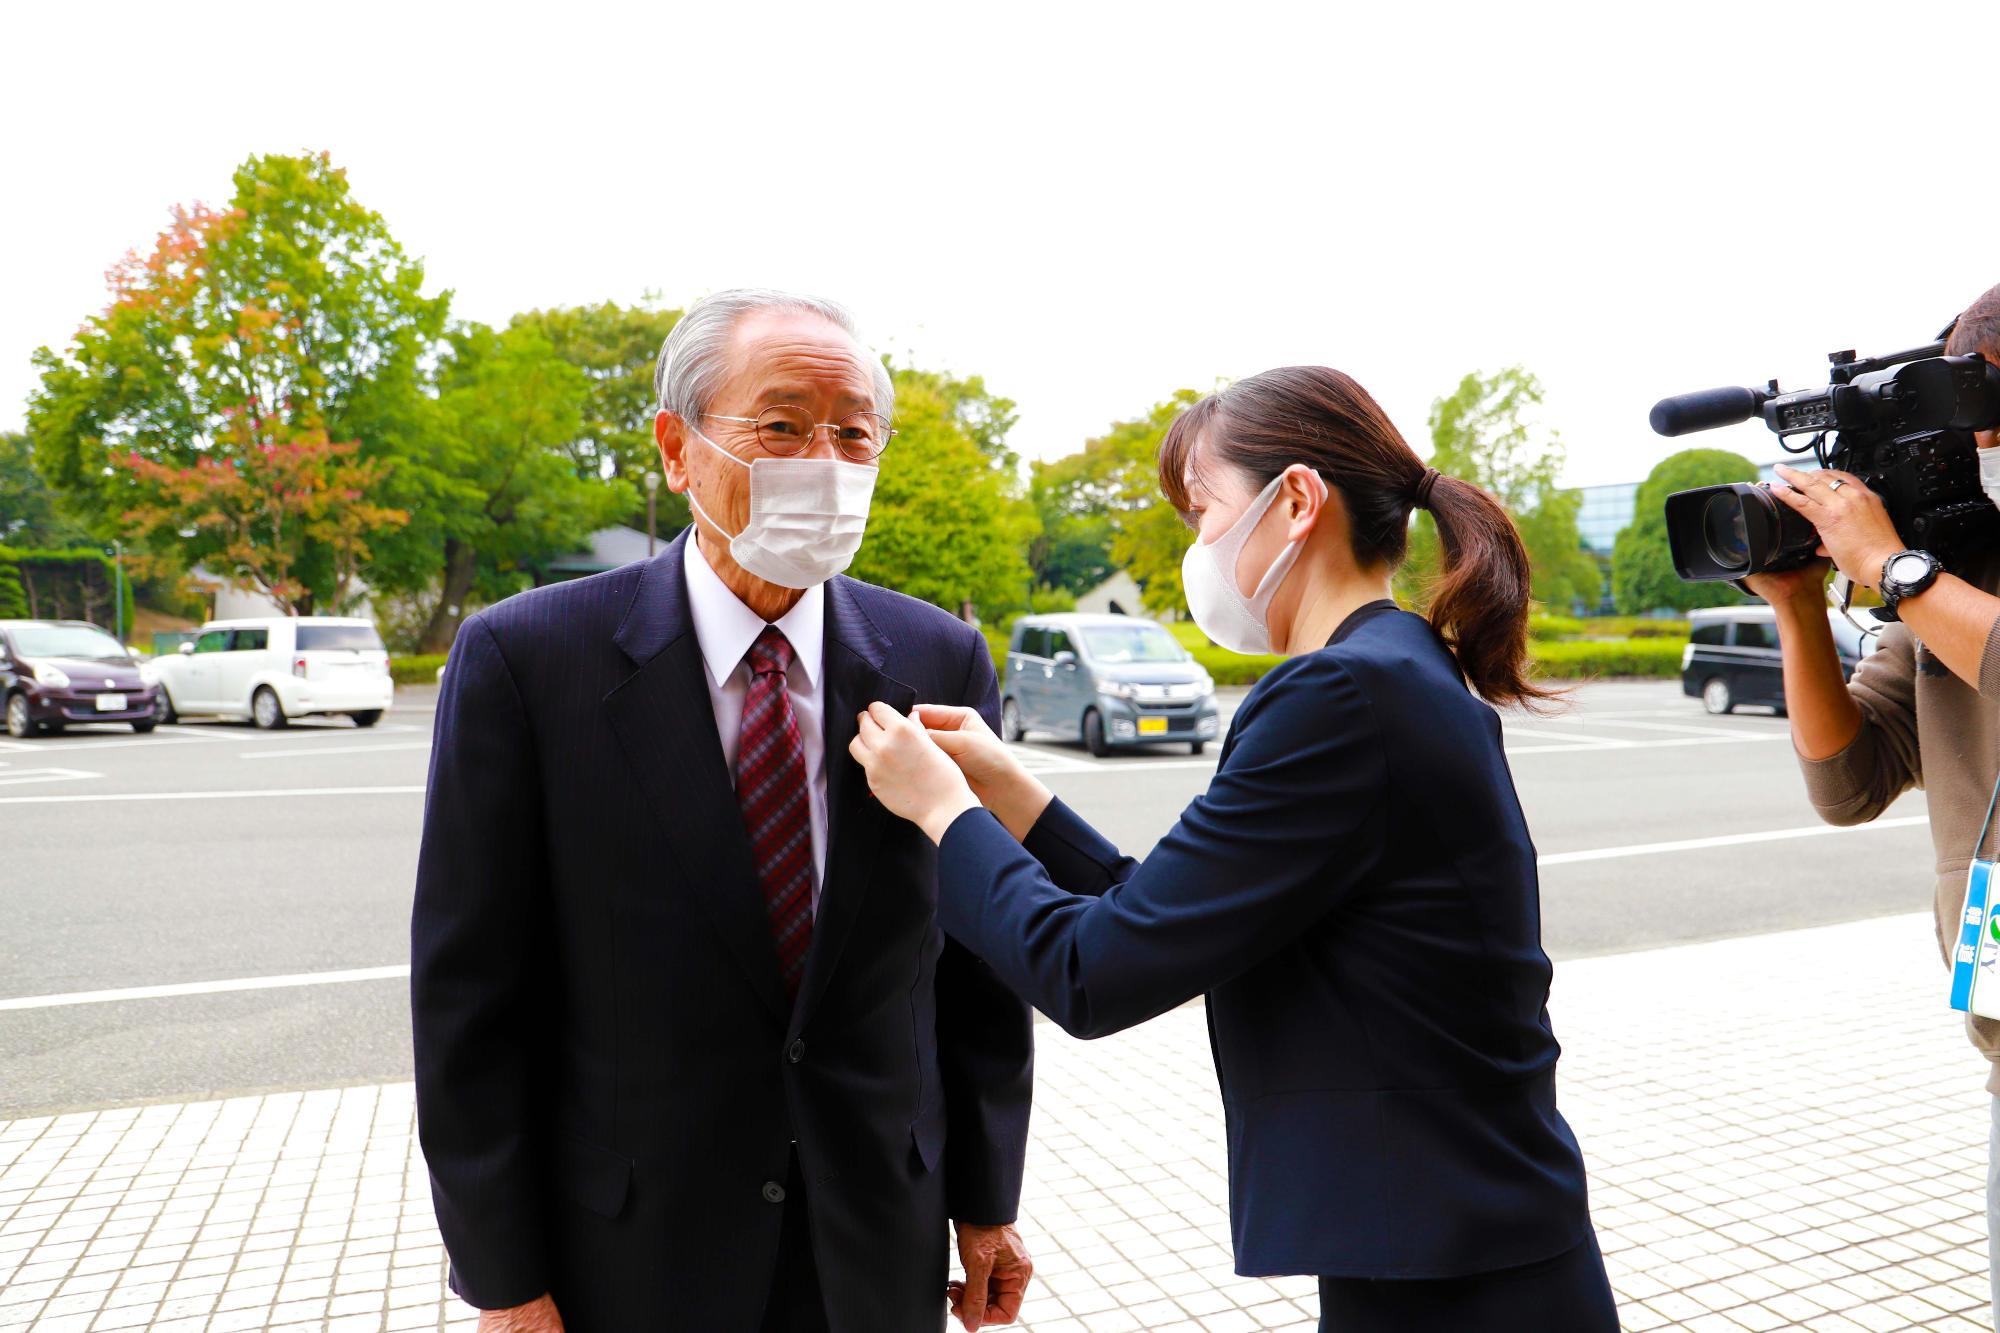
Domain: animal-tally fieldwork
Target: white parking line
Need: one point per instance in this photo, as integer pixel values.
(206, 987)
(210, 795)
(334, 749)
(17, 776)
(1726, 840)
(1670, 743)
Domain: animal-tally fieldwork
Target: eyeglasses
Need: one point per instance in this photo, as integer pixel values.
(788, 431)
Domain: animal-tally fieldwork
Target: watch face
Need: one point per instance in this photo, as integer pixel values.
(1908, 568)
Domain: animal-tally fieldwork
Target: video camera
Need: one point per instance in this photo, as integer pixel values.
(1903, 424)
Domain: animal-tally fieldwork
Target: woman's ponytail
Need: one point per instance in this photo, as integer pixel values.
(1479, 604)
(1321, 418)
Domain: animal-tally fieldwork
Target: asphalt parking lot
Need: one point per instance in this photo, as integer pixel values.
(213, 909)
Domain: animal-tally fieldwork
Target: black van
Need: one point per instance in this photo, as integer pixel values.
(1732, 656)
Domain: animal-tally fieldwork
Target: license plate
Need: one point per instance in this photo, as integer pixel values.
(110, 703)
(1152, 726)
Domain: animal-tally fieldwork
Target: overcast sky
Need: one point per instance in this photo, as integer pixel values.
(1089, 204)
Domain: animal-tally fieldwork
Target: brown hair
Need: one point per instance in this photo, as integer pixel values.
(1318, 417)
(1978, 329)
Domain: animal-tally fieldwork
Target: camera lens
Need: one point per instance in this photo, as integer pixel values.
(1723, 526)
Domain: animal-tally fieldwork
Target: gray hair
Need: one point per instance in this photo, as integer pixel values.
(695, 357)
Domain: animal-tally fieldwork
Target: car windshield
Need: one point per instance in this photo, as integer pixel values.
(354, 638)
(67, 641)
(1132, 643)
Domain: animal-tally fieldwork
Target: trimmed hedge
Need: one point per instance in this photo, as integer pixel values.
(1554, 628)
(1590, 659)
(419, 669)
(1657, 654)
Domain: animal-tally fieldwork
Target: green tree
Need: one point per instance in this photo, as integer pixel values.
(30, 512)
(1642, 567)
(1101, 510)
(1479, 434)
(616, 348)
(261, 506)
(292, 307)
(948, 523)
(502, 492)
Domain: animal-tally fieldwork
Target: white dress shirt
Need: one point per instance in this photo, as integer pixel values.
(726, 628)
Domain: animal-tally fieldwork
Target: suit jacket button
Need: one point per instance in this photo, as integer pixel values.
(773, 1192)
(797, 1051)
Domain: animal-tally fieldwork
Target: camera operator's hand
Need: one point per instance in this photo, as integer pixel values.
(1853, 523)
(1804, 586)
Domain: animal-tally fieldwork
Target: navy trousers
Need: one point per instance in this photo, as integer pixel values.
(1569, 1293)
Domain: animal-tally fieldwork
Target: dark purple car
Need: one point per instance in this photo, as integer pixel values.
(54, 672)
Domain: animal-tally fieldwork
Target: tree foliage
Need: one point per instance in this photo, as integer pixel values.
(292, 308)
(1642, 569)
(1101, 510)
(616, 348)
(503, 492)
(948, 523)
(30, 509)
(1482, 433)
(260, 506)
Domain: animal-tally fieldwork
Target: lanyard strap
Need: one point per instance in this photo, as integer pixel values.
(1987, 826)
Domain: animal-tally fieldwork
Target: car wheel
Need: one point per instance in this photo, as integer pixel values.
(1093, 734)
(143, 728)
(1715, 696)
(266, 711)
(1010, 721)
(367, 717)
(163, 708)
(20, 725)
(1196, 747)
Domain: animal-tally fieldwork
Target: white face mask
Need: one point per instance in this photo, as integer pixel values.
(1215, 598)
(1989, 472)
(807, 517)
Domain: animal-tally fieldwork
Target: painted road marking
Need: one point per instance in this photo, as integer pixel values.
(334, 749)
(210, 795)
(207, 987)
(1726, 840)
(15, 776)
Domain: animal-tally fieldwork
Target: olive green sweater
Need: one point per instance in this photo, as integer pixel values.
(1924, 727)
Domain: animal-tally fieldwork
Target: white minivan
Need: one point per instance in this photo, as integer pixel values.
(276, 668)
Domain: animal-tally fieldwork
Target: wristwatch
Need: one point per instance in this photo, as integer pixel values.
(1907, 573)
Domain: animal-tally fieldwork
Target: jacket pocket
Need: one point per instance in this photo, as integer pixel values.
(927, 1136)
(594, 1177)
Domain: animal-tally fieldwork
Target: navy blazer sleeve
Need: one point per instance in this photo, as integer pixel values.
(1290, 824)
(476, 942)
(986, 1050)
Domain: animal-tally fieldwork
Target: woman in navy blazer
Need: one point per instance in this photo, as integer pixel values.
(1355, 893)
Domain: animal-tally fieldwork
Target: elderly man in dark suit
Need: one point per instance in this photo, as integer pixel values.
(692, 1052)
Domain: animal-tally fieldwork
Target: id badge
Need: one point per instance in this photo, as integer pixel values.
(1975, 964)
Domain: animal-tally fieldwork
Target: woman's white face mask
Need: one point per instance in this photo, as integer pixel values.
(807, 516)
(1214, 595)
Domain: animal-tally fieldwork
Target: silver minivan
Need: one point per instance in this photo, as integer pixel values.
(1110, 681)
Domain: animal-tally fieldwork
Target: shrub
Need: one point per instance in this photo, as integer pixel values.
(1588, 659)
(418, 669)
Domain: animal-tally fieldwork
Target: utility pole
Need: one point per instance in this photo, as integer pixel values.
(652, 494)
(118, 588)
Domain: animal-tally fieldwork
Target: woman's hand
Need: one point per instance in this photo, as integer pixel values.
(997, 778)
(908, 773)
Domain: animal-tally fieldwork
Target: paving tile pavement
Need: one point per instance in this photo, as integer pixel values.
(1786, 1131)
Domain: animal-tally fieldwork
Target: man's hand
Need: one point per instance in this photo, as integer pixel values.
(1804, 587)
(997, 1270)
(537, 1316)
(1854, 525)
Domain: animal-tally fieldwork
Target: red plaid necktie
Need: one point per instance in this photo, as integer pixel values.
(771, 788)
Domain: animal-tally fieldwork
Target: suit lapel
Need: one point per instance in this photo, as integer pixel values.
(855, 652)
(666, 728)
